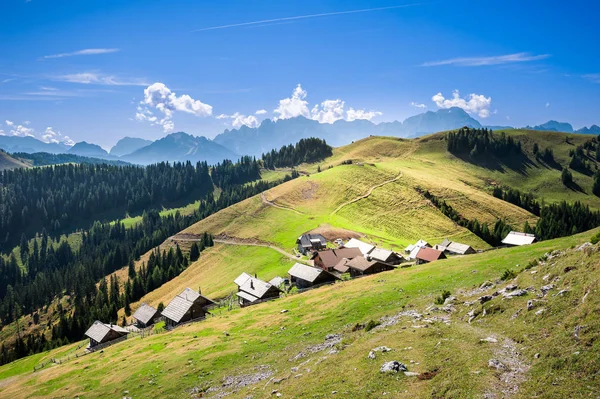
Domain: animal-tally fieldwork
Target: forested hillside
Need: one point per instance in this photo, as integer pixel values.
(43, 270)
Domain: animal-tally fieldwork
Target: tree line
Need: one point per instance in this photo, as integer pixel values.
(306, 150)
(482, 142)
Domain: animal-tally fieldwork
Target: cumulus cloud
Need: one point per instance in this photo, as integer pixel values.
(261, 112)
(21, 131)
(472, 104)
(417, 105)
(9, 123)
(294, 106)
(159, 97)
(53, 136)
(238, 120)
(354, 114)
(328, 111)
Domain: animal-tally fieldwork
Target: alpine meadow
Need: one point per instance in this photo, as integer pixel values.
(299, 200)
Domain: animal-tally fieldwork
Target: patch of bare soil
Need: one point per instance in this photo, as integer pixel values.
(332, 233)
(511, 368)
(309, 191)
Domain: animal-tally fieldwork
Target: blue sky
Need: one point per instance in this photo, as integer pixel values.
(98, 71)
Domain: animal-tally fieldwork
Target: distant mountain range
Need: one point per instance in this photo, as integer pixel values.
(271, 134)
(274, 134)
(181, 147)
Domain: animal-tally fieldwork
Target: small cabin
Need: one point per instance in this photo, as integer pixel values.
(311, 242)
(101, 333)
(514, 238)
(365, 265)
(252, 290)
(307, 276)
(145, 316)
(426, 255)
(386, 256)
(328, 258)
(188, 305)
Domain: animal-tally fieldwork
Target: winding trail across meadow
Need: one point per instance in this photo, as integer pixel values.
(227, 240)
(271, 203)
(367, 194)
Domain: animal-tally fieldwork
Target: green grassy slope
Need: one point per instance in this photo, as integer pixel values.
(265, 349)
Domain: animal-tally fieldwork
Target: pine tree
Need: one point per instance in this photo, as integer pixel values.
(566, 177)
(194, 252)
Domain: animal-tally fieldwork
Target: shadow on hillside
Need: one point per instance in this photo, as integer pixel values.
(576, 187)
(518, 163)
(549, 164)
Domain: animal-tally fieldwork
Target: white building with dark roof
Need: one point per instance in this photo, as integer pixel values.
(361, 245)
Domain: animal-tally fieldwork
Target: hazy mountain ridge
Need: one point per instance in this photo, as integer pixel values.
(181, 147)
(128, 145)
(273, 134)
(30, 144)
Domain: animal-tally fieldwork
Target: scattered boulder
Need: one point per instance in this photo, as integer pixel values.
(530, 304)
(371, 355)
(515, 293)
(450, 300)
(496, 364)
(411, 374)
(393, 367)
(225, 333)
(537, 355)
(486, 284)
(561, 293)
(569, 268)
(510, 287)
(584, 246)
(284, 311)
(546, 288)
(485, 298)
(382, 349)
(539, 312)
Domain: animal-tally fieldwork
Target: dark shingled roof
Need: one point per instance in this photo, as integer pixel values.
(306, 273)
(306, 240)
(145, 313)
(180, 305)
(252, 285)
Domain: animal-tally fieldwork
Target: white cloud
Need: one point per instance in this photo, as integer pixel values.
(2, 133)
(99, 79)
(354, 114)
(161, 98)
(472, 104)
(547, 105)
(261, 112)
(294, 106)
(9, 123)
(52, 136)
(21, 131)
(239, 120)
(493, 60)
(417, 105)
(328, 111)
(87, 51)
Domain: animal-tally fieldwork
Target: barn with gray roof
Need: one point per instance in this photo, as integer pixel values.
(101, 333)
(307, 276)
(188, 305)
(252, 290)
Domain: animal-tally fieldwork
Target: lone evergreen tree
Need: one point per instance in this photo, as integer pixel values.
(566, 177)
(194, 252)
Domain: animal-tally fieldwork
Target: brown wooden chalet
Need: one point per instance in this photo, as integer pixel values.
(328, 258)
(101, 333)
(189, 305)
(145, 316)
(361, 266)
(252, 290)
(307, 276)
